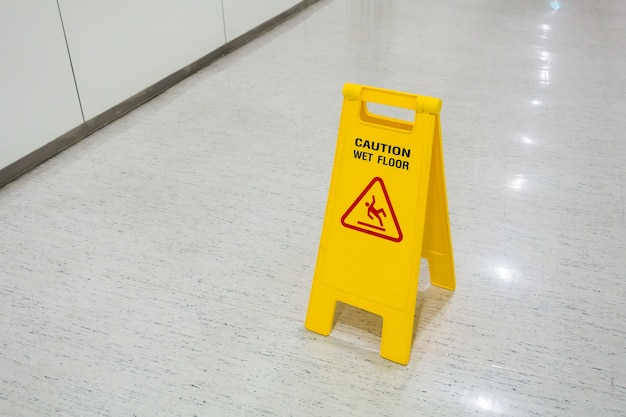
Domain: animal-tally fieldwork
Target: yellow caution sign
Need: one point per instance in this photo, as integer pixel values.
(386, 206)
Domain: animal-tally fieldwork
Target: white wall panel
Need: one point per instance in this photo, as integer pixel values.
(120, 47)
(38, 100)
(242, 15)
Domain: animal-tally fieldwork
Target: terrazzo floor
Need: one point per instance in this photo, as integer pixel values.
(162, 266)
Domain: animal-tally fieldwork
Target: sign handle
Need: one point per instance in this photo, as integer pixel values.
(421, 104)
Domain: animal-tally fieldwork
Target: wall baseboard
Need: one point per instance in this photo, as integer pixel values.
(41, 155)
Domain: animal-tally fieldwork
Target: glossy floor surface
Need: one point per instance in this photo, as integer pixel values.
(162, 267)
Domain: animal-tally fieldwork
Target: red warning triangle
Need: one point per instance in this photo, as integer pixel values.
(372, 213)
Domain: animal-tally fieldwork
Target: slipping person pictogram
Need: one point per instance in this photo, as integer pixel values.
(373, 212)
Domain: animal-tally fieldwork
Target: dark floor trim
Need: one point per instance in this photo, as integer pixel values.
(39, 156)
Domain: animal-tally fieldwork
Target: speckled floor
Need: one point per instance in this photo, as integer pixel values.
(162, 266)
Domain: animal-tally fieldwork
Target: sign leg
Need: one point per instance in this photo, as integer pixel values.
(321, 312)
(397, 337)
(437, 245)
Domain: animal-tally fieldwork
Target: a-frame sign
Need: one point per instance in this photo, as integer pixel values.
(387, 207)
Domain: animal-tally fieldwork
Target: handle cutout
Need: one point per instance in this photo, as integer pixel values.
(389, 116)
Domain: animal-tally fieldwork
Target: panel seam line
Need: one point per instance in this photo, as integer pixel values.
(69, 55)
(223, 21)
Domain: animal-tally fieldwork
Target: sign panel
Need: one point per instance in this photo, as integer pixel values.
(386, 206)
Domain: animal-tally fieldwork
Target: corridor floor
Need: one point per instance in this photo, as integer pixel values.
(162, 266)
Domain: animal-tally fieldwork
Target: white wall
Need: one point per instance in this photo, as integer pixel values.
(117, 48)
(242, 15)
(120, 47)
(38, 100)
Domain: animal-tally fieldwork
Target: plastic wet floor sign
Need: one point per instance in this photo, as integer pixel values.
(387, 205)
